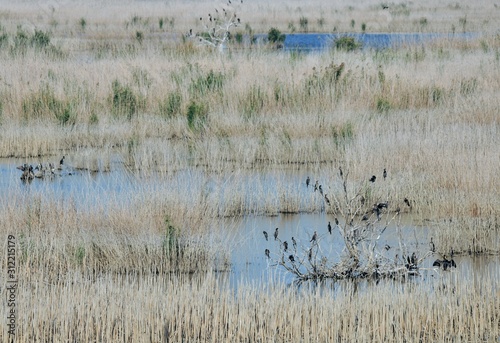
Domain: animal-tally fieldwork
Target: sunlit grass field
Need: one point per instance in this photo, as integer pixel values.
(91, 81)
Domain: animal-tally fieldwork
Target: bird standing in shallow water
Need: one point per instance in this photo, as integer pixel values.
(265, 234)
(276, 234)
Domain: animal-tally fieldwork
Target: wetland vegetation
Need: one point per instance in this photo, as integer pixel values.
(194, 139)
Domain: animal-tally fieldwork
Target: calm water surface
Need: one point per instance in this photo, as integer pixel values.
(244, 236)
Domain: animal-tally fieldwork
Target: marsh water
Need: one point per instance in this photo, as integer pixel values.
(243, 236)
(305, 42)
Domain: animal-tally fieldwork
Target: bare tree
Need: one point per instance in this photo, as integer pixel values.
(217, 26)
(360, 227)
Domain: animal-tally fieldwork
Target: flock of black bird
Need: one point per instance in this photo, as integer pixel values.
(411, 262)
(40, 171)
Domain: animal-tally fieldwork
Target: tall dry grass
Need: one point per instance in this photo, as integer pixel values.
(203, 308)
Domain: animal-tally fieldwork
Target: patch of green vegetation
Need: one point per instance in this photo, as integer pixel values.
(275, 37)
(171, 106)
(197, 114)
(204, 84)
(44, 104)
(343, 134)
(123, 99)
(347, 43)
(383, 105)
(304, 24)
(83, 23)
(80, 255)
(253, 102)
(170, 242)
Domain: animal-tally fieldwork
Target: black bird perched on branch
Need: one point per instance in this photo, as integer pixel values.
(314, 237)
(291, 258)
(265, 235)
(373, 178)
(308, 181)
(267, 253)
(329, 228)
(294, 243)
(385, 174)
(285, 245)
(432, 246)
(276, 234)
(382, 205)
(327, 200)
(61, 162)
(320, 189)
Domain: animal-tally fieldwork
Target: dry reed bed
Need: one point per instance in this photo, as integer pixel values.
(179, 16)
(203, 308)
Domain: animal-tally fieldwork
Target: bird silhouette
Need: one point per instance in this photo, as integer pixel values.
(265, 235)
(336, 221)
(407, 202)
(267, 252)
(385, 173)
(294, 243)
(316, 186)
(444, 263)
(327, 200)
(373, 178)
(340, 171)
(329, 228)
(285, 245)
(308, 180)
(291, 258)
(320, 189)
(432, 246)
(276, 234)
(314, 237)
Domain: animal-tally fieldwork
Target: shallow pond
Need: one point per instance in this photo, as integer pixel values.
(244, 235)
(321, 41)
